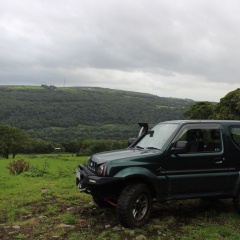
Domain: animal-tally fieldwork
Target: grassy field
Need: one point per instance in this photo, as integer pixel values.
(22, 87)
(51, 207)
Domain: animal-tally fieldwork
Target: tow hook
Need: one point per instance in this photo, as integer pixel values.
(107, 200)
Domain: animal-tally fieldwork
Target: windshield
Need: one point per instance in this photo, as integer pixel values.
(157, 137)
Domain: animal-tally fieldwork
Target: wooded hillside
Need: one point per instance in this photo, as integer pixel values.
(64, 114)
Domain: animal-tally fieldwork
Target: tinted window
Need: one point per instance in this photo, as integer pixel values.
(235, 134)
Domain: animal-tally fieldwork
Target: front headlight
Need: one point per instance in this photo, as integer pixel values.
(102, 170)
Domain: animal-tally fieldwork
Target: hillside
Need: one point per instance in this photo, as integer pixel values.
(64, 114)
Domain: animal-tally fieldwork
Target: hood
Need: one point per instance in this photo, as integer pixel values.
(104, 157)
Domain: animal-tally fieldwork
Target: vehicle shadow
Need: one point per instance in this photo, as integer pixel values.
(189, 210)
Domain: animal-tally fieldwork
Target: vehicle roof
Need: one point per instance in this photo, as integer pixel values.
(224, 122)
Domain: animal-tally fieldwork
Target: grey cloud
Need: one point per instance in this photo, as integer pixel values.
(80, 40)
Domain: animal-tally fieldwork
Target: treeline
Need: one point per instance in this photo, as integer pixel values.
(62, 114)
(81, 148)
(14, 141)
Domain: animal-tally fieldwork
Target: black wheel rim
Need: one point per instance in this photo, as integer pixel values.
(140, 207)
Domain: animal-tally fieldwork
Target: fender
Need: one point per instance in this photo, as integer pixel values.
(139, 172)
(130, 171)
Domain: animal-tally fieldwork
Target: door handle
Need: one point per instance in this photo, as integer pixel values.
(219, 160)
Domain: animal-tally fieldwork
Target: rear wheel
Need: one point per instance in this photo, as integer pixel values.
(134, 205)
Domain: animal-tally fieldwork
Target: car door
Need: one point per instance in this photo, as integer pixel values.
(203, 168)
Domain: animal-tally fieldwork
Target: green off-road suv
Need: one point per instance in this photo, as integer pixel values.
(174, 160)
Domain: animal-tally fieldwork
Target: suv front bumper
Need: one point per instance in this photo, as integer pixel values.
(88, 181)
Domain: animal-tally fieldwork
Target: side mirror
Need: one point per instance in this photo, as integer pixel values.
(131, 141)
(179, 147)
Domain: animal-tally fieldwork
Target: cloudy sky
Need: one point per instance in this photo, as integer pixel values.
(171, 48)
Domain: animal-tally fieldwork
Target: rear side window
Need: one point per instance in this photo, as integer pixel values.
(235, 134)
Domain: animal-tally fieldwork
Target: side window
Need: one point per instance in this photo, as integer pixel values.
(235, 134)
(202, 139)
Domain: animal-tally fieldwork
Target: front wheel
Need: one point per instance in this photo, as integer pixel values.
(134, 205)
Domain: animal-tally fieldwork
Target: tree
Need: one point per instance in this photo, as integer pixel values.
(73, 146)
(12, 140)
(39, 146)
(229, 106)
(199, 110)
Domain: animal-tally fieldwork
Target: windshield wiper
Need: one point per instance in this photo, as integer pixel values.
(153, 148)
(139, 147)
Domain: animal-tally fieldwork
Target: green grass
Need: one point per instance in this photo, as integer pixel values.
(160, 106)
(42, 205)
(22, 87)
(19, 190)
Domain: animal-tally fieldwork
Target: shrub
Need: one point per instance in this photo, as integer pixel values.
(36, 171)
(17, 167)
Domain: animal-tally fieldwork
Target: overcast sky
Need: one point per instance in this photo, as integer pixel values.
(171, 48)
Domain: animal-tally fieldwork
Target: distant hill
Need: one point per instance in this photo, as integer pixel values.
(64, 114)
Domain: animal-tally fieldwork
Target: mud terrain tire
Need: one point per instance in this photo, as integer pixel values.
(134, 205)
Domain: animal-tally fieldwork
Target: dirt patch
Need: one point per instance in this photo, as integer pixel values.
(87, 220)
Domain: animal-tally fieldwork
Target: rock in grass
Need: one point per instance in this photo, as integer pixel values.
(16, 227)
(44, 190)
(117, 228)
(141, 237)
(65, 226)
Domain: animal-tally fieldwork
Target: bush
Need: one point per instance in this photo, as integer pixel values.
(35, 171)
(17, 167)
